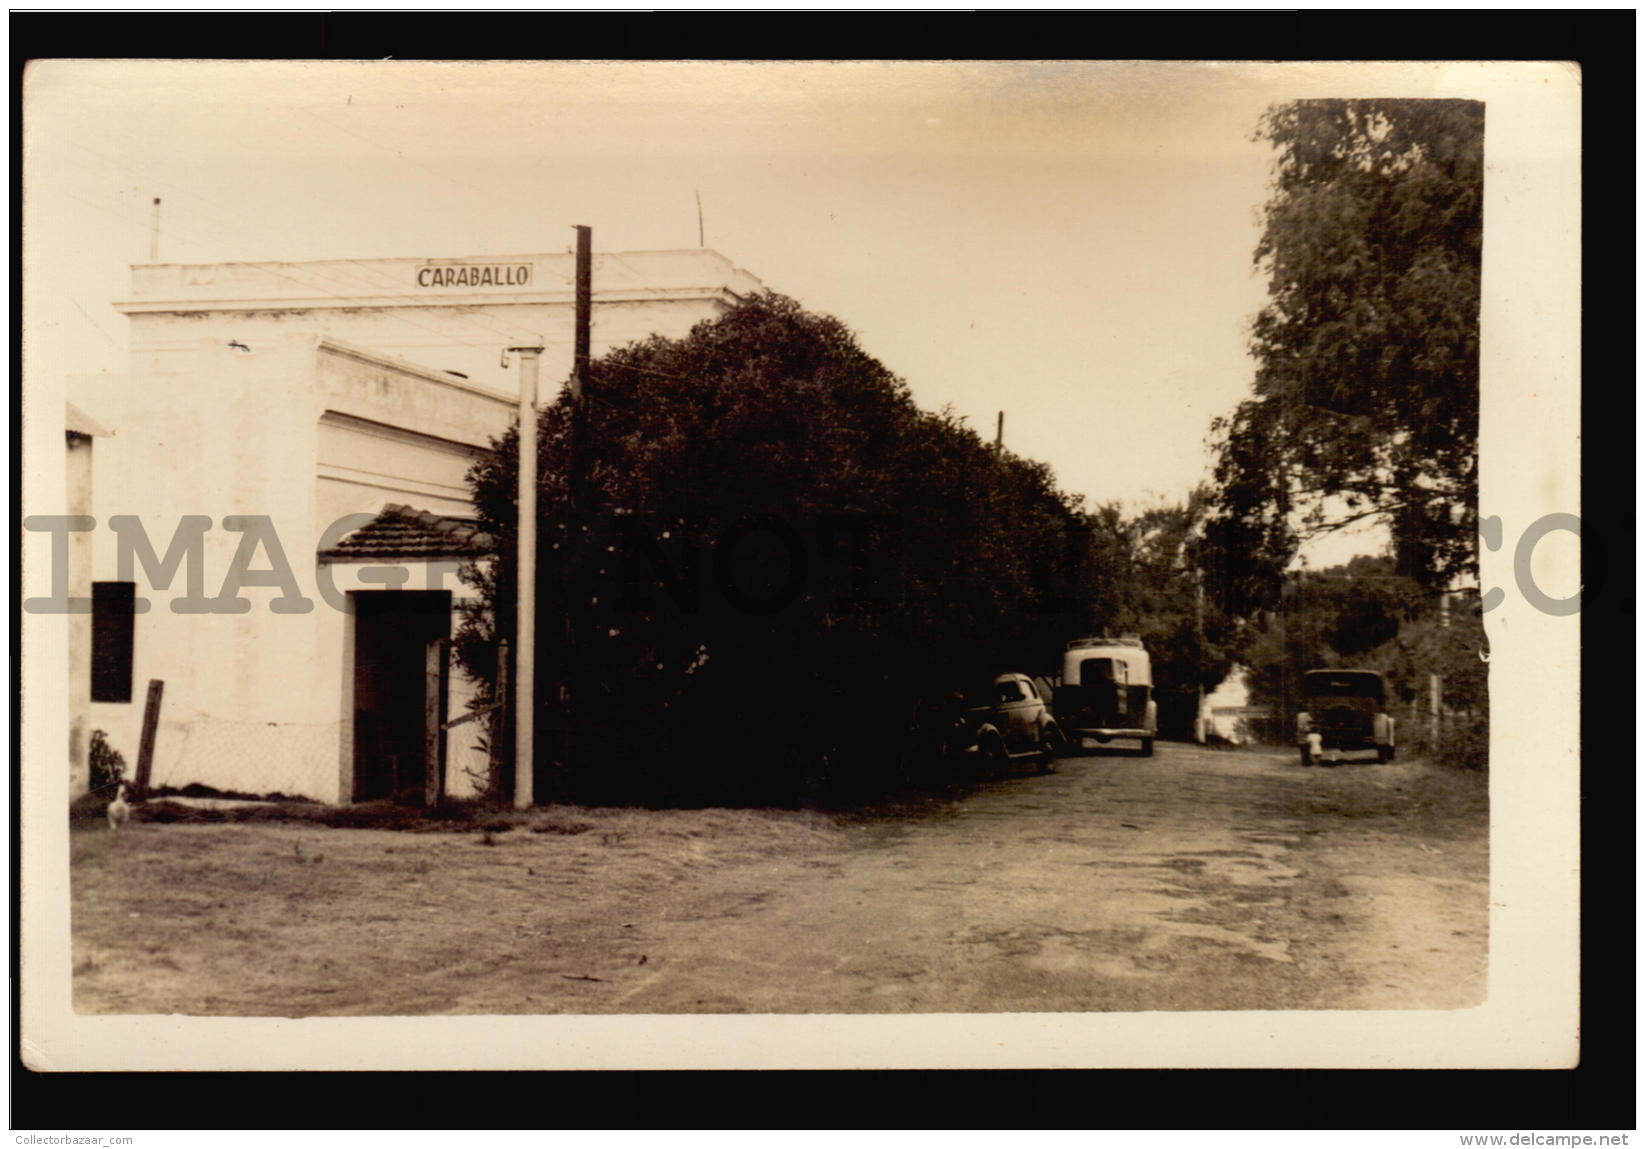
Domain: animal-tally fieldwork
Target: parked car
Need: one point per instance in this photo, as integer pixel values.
(1008, 722)
(1107, 692)
(1344, 711)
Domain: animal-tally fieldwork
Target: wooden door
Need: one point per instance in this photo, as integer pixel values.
(392, 633)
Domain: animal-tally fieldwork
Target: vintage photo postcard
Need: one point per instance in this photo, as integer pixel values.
(875, 564)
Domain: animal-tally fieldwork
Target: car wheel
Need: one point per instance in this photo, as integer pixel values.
(1385, 753)
(1307, 758)
(1147, 747)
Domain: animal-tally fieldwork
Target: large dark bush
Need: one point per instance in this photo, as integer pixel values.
(757, 555)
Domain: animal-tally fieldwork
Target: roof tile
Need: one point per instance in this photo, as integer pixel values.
(402, 532)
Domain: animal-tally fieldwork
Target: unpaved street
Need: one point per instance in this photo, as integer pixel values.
(1198, 879)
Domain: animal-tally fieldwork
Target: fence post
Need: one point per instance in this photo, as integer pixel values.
(499, 721)
(433, 761)
(145, 748)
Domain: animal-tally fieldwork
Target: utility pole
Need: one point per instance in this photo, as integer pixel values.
(999, 433)
(525, 608)
(154, 233)
(573, 546)
(585, 307)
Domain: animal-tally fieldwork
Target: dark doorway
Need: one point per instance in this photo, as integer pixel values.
(392, 631)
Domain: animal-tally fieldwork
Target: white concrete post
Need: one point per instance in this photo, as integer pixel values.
(525, 614)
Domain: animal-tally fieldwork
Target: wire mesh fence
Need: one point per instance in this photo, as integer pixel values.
(243, 756)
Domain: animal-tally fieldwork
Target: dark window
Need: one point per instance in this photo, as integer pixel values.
(1343, 686)
(111, 632)
(1096, 671)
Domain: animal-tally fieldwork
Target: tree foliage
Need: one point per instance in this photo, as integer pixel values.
(769, 552)
(1148, 571)
(1365, 614)
(1366, 400)
(1330, 618)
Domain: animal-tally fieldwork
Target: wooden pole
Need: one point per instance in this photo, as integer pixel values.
(581, 336)
(1199, 638)
(1436, 683)
(499, 722)
(145, 748)
(585, 307)
(433, 720)
(999, 433)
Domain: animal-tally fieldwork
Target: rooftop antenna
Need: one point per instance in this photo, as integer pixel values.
(154, 234)
(699, 217)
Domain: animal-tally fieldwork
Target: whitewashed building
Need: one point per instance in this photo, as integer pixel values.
(282, 495)
(1228, 711)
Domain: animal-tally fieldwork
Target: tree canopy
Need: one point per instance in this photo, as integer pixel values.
(1366, 398)
(1148, 568)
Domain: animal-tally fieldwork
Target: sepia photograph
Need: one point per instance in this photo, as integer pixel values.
(731, 564)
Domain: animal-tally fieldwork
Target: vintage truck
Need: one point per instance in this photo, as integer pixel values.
(1345, 710)
(1107, 692)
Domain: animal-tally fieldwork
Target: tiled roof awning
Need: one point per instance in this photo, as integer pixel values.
(402, 532)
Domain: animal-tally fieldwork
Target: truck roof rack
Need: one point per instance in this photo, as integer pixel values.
(1123, 640)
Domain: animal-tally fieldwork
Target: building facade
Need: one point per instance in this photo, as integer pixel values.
(279, 417)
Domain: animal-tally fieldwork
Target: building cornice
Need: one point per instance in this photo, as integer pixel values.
(708, 293)
(330, 346)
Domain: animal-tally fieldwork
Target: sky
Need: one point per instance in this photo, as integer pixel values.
(1069, 243)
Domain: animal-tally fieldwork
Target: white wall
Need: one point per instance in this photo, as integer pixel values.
(314, 415)
(1233, 692)
(229, 437)
(79, 471)
(251, 700)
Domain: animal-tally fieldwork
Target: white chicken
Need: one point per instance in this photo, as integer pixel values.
(119, 809)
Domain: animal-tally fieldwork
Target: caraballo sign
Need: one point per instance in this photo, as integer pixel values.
(474, 275)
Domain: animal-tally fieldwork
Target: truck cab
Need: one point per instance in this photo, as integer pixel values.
(1107, 692)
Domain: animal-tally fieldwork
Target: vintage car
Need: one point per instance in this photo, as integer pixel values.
(1107, 692)
(1344, 711)
(1009, 722)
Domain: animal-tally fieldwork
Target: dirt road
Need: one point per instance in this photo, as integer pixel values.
(1197, 879)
